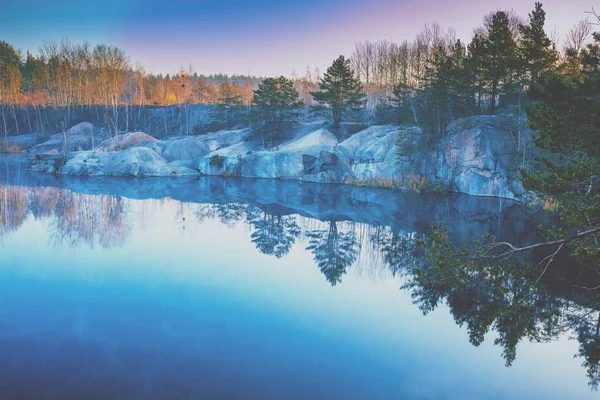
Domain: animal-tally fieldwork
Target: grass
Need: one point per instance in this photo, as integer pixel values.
(374, 182)
(413, 183)
(8, 147)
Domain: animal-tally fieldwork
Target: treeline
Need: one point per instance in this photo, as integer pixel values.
(427, 82)
(72, 79)
(438, 78)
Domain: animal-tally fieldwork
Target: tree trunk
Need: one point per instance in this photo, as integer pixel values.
(14, 112)
(28, 118)
(493, 95)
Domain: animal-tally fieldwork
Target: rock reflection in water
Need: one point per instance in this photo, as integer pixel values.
(347, 231)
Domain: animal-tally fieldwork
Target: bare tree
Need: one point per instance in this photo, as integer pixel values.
(578, 36)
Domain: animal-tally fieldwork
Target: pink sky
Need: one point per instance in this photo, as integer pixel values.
(262, 37)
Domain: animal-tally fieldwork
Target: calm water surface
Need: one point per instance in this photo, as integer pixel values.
(224, 289)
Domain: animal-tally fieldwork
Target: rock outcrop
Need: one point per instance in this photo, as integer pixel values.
(477, 156)
(372, 152)
(83, 136)
(19, 143)
(125, 141)
(134, 162)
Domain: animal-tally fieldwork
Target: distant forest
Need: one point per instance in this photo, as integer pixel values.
(427, 82)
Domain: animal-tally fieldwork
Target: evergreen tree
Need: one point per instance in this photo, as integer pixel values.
(566, 116)
(475, 70)
(340, 89)
(435, 91)
(404, 103)
(536, 50)
(230, 103)
(462, 95)
(273, 234)
(590, 56)
(499, 63)
(10, 84)
(446, 91)
(276, 102)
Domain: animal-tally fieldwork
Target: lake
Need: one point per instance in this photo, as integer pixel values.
(209, 288)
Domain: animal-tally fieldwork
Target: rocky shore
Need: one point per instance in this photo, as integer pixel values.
(478, 156)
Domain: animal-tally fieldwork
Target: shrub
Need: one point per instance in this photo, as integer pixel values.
(419, 184)
(374, 182)
(8, 147)
(217, 161)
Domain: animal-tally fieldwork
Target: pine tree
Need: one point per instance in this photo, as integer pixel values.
(446, 91)
(462, 95)
(340, 90)
(10, 84)
(435, 90)
(475, 69)
(403, 102)
(501, 51)
(566, 117)
(536, 50)
(277, 102)
(229, 104)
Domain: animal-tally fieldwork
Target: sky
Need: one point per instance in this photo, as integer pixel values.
(260, 37)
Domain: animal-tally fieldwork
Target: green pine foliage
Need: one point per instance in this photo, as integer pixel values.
(501, 58)
(340, 90)
(230, 104)
(566, 117)
(276, 104)
(536, 50)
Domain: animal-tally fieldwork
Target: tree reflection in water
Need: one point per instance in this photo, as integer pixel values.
(397, 248)
(13, 209)
(333, 251)
(75, 219)
(509, 298)
(273, 234)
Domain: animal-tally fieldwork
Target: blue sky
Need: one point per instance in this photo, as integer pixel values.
(262, 37)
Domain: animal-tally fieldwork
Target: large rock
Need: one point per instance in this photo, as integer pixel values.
(193, 147)
(19, 143)
(308, 157)
(315, 162)
(372, 152)
(134, 162)
(217, 165)
(181, 148)
(49, 163)
(221, 139)
(83, 136)
(124, 141)
(479, 156)
(321, 137)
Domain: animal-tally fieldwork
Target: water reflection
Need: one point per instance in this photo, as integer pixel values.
(512, 297)
(13, 209)
(398, 248)
(344, 233)
(272, 234)
(334, 251)
(74, 219)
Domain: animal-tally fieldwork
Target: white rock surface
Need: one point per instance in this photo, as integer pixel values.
(134, 162)
(321, 137)
(124, 141)
(477, 156)
(80, 137)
